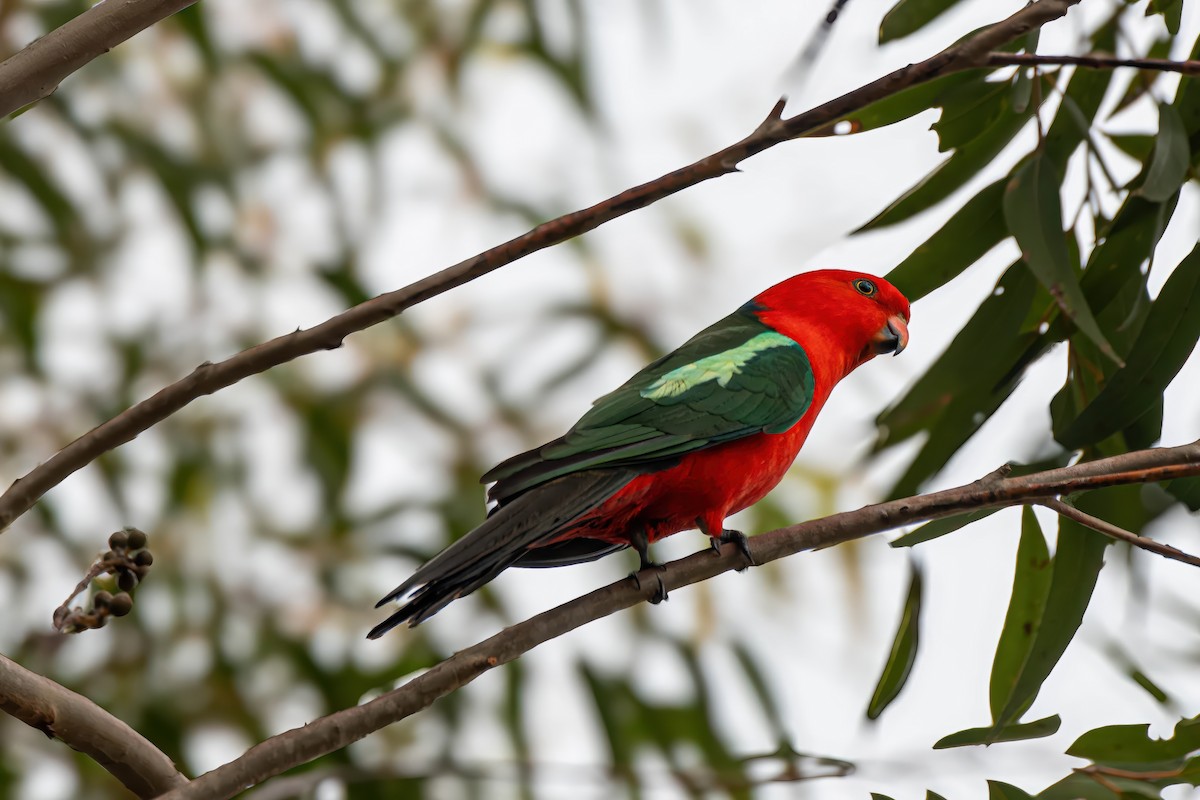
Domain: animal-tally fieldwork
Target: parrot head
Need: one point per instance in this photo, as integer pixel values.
(854, 316)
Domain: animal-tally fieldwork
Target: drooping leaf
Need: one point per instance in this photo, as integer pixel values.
(1026, 607)
(909, 16)
(1034, 215)
(1164, 343)
(970, 233)
(903, 653)
(1077, 562)
(974, 362)
(1169, 162)
(1038, 729)
(1171, 10)
(941, 527)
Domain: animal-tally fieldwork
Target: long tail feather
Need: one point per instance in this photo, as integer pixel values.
(536, 516)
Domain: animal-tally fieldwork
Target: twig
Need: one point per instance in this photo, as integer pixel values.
(1115, 532)
(1191, 67)
(337, 730)
(78, 722)
(36, 71)
(208, 377)
(797, 74)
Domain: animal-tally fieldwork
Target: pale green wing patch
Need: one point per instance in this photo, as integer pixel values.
(720, 367)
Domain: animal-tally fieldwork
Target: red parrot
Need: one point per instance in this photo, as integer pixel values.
(694, 437)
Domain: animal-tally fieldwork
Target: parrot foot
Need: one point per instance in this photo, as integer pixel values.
(641, 544)
(660, 594)
(739, 539)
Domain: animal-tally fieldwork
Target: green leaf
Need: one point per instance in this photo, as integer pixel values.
(1038, 729)
(969, 110)
(1130, 746)
(1026, 607)
(1169, 163)
(1164, 343)
(971, 232)
(903, 653)
(1077, 562)
(930, 794)
(997, 790)
(1186, 491)
(1022, 82)
(962, 166)
(1171, 10)
(974, 363)
(1152, 688)
(1034, 215)
(1137, 146)
(941, 527)
(909, 16)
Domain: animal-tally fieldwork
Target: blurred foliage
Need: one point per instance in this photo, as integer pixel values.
(187, 195)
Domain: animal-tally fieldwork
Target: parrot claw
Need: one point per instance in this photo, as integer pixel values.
(642, 545)
(660, 594)
(739, 539)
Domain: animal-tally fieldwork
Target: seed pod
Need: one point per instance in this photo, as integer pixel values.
(121, 605)
(101, 599)
(135, 538)
(126, 580)
(118, 540)
(143, 558)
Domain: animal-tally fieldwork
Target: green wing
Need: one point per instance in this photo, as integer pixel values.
(736, 378)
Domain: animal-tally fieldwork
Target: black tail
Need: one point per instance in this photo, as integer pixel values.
(536, 516)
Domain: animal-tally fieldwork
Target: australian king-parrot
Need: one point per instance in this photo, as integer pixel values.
(692, 438)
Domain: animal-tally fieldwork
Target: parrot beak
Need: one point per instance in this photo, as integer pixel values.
(893, 337)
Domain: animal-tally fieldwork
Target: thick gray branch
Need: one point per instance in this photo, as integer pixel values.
(36, 71)
(62, 714)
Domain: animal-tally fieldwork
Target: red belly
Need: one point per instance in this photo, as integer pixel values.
(708, 485)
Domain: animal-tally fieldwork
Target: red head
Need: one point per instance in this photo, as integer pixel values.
(841, 318)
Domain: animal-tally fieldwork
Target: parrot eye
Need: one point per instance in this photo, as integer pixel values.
(865, 287)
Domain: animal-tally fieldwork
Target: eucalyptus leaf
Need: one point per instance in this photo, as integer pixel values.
(1034, 215)
(903, 653)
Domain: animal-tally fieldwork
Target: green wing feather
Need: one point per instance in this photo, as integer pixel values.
(736, 378)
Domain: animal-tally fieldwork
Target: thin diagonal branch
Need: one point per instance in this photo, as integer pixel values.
(1093, 62)
(62, 714)
(1116, 532)
(337, 730)
(209, 377)
(36, 71)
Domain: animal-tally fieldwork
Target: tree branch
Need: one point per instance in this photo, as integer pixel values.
(1093, 62)
(62, 714)
(1119, 533)
(36, 71)
(208, 377)
(337, 730)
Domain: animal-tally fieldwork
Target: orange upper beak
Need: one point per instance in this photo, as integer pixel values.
(892, 337)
